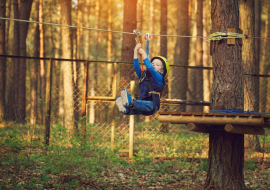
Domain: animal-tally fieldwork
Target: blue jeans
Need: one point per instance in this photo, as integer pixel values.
(140, 107)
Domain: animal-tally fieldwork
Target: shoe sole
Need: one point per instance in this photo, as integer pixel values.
(120, 105)
(124, 97)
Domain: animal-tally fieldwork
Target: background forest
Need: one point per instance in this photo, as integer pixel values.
(90, 40)
(61, 71)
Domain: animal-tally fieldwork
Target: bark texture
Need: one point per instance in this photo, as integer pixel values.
(33, 115)
(257, 33)
(266, 64)
(14, 70)
(129, 24)
(247, 15)
(2, 60)
(226, 151)
(163, 27)
(25, 10)
(179, 89)
(66, 67)
(42, 64)
(248, 53)
(199, 55)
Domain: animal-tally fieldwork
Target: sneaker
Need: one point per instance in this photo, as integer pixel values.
(119, 103)
(126, 98)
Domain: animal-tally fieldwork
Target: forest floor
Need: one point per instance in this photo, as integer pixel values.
(28, 164)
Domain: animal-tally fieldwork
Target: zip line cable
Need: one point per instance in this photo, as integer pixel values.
(214, 36)
(104, 30)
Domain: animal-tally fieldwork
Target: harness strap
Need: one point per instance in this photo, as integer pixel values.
(154, 92)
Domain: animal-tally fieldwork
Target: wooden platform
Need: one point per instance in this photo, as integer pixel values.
(202, 122)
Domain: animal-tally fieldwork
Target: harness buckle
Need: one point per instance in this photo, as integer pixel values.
(154, 92)
(142, 78)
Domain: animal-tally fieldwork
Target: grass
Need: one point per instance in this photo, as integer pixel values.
(164, 160)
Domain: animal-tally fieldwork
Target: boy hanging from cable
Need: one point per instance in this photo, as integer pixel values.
(151, 84)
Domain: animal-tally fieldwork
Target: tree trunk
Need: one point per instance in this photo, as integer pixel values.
(14, 73)
(66, 66)
(109, 41)
(179, 89)
(163, 51)
(257, 52)
(266, 64)
(86, 33)
(110, 67)
(142, 8)
(77, 71)
(2, 60)
(249, 62)
(129, 24)
(163, 28)
(33, 112)
(199, 55)
(206, 60)
(8, 25)
(25, 10)
(226, 150)
(97, 24)
(42, 64)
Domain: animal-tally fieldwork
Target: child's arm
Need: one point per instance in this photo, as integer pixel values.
(137, 67)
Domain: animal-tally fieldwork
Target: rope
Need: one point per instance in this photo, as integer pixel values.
(214, 36)
(147, 38)
(223, 35)
(258, 38)
(87, 28)
(70, 26)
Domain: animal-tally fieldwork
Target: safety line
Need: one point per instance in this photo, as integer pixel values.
(87, 28)
(258, 38)
(214, 36)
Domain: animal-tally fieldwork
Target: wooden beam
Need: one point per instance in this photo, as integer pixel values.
(212, 120)
(244, 130)
(185, 102)
(197, 128)
(100, 98)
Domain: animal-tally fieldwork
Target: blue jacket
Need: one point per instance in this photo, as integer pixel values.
(156, 80)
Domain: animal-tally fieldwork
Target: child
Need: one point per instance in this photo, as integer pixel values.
(151, 84)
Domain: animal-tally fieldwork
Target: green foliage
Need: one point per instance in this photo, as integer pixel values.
(71, 161)
(250, 164)
(13, 140)
(204, 165)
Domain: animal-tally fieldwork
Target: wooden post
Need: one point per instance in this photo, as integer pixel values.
(131, 123)
(197, 128)
(112, 135)
(114, 87)
(84, 95)
(48, 104)
(244, 130)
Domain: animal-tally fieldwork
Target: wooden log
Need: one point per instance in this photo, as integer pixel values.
(197, 128)
(212, 120)
(244, 130)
